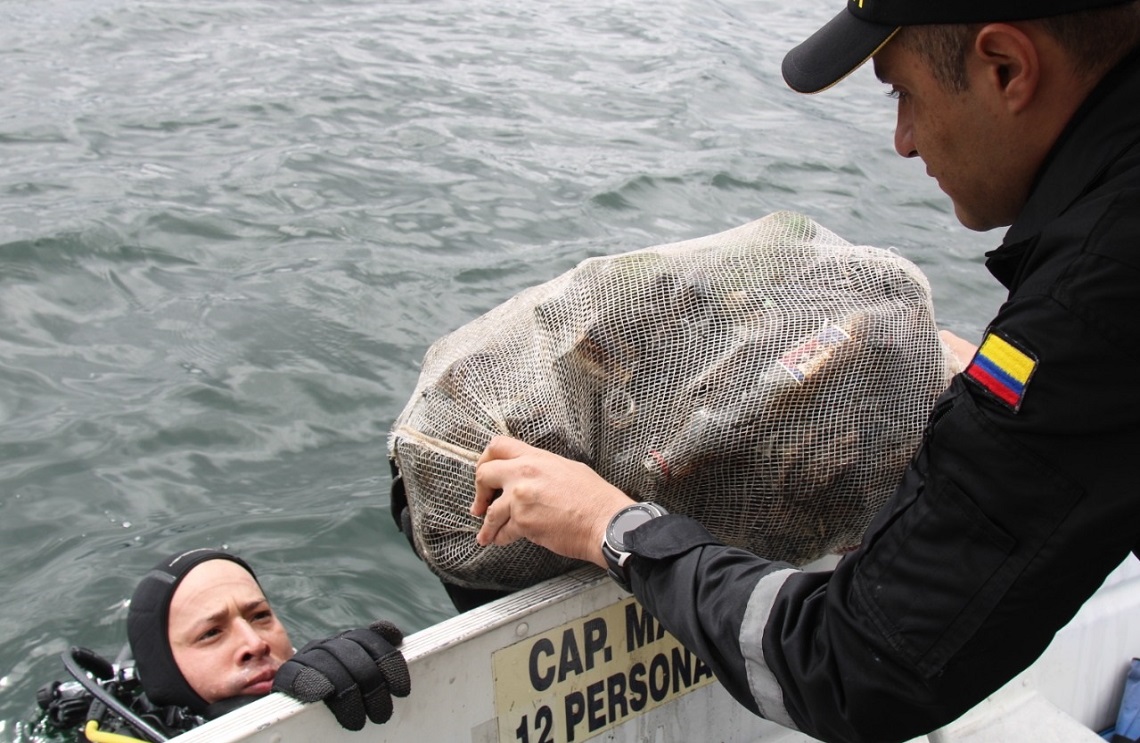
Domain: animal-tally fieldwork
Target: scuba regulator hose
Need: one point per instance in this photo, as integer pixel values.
(105, 671)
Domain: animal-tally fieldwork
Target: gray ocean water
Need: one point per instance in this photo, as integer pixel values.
(230, 230)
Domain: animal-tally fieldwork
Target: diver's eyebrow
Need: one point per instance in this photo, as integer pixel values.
(219, 615)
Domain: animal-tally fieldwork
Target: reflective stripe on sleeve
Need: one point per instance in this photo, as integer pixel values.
(765, 689)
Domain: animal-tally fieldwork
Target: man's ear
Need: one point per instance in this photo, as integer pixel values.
(1010, 64)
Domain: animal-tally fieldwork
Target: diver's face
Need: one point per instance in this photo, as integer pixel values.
(225, 638)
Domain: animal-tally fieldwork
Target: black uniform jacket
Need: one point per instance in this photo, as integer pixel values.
(1022, 497)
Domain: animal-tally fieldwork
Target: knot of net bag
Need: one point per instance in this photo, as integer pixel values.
(771, 381)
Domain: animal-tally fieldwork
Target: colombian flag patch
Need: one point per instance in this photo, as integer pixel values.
(1002, 369)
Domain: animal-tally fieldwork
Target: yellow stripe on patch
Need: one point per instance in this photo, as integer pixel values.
(1013, 362)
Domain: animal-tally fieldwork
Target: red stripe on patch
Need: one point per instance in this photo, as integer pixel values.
(984, 378)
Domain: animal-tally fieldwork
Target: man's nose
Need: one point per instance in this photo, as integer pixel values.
(252, 644)
(904, 135)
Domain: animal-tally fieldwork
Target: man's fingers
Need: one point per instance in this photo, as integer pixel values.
(487, 488)
(962, 349)
(493, 522)
(500, 447)
(497, 526)
(489, 472)
(302, 682)
(485, 495)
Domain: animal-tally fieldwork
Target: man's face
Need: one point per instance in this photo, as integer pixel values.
(962, 137)
(225, 639)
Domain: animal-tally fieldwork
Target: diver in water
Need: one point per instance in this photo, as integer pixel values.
(205, 641)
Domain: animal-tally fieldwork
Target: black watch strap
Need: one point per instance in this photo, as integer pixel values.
(617, 566)
(613, 544)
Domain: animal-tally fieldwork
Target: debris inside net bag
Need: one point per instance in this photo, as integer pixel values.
(771, 381)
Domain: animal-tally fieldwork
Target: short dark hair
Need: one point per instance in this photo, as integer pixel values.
(1095, 40)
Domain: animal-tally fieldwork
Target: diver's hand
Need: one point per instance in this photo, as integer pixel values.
(356, 673)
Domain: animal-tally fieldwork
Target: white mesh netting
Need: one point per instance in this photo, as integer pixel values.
(771, 381)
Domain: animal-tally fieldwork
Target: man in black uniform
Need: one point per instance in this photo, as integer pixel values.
(1022, 496)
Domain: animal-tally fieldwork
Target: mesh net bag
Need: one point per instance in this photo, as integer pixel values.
(771, 381)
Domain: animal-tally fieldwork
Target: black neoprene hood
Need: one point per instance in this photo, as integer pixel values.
(147, 628)
(858, 32)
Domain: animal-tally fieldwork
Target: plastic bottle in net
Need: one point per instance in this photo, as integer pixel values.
(771, 381)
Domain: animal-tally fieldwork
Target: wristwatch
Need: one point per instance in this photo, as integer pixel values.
(613, 545)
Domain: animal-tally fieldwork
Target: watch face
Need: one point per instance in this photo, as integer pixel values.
(625, 522)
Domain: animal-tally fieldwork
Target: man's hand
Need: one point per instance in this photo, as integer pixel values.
(557, 503)
(962, 349)
(355, 673)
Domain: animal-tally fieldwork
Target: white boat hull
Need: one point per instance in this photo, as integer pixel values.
(576, 659)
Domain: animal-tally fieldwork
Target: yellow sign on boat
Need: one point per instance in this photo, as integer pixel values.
(573, 682)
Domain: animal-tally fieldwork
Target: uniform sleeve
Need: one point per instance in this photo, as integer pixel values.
(727, 605)
(699, 589)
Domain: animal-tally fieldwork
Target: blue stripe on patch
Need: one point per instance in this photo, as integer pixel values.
(1000, 374)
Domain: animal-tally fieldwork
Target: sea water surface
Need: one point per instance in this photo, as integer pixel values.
(230, 230)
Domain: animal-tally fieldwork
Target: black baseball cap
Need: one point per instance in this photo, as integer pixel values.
(856, 34)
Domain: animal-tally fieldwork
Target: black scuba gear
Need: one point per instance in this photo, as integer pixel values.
(110, 695)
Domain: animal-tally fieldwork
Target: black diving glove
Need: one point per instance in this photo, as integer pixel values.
(355, 673)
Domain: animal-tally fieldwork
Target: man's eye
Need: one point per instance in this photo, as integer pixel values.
(208, 634)
(262, 616)
(896, 94)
